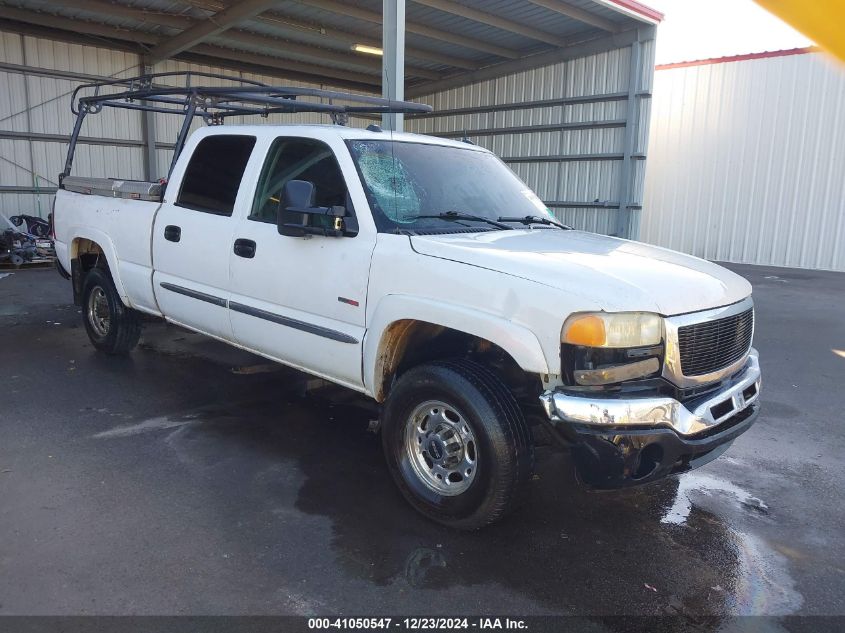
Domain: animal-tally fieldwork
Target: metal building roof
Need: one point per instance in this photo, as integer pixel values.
(313, 40)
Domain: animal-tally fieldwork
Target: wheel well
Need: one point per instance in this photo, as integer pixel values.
(408, 343)
(85, 254)
(88, 252)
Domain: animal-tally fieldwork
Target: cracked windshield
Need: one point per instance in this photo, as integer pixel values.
(411, 185)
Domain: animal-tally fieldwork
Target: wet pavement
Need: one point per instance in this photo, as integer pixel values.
(191, 478)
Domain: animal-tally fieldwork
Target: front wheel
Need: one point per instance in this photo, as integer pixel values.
(112, 327)
(456, 443)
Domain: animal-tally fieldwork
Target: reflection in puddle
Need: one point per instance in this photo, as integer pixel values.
(763, 584)
(305, 483)
(706, 484)
(152, 424)
(420, 564)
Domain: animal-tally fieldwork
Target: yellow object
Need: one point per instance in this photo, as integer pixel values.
(823, 21)
(586, 330)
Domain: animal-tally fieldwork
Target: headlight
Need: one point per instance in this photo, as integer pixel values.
(600, 348)
(614, 330)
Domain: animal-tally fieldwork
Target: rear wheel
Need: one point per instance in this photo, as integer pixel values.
(456, 443)
(112, 327)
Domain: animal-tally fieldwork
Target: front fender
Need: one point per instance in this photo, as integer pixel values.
(516, 340)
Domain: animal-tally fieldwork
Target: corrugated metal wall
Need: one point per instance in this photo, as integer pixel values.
(37, 106)
(35, 119)
(747, 162)
(571, 146)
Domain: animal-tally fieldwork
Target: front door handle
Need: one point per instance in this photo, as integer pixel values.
(172, 233)
(244, 248)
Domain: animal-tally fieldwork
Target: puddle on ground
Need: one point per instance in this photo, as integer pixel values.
(705, 484)
(669, 548)
(11, 309)
(763, 584)
(153, 424)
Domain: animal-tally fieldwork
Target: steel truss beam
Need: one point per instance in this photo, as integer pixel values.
(576, 13)
(583, 49)
(210, 27)
(496, 21)
(275, 66)
(307, 33)
(411, 27)
(325, 36)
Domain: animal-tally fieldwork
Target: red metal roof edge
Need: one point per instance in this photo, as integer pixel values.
(740, 58)
(639, 7)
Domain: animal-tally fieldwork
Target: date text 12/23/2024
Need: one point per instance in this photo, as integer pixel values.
(417, 623)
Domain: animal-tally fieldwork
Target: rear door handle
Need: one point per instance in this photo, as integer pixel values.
(244, 248)
(172, 233)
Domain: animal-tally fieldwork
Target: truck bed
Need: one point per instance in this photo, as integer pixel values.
(110, 213)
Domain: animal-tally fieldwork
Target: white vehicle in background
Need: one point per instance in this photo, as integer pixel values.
(423, 273)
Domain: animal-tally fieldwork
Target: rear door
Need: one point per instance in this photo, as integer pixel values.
(301, 300)
(192, 236)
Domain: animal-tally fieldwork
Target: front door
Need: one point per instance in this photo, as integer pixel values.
(192, 236)
(301, 300)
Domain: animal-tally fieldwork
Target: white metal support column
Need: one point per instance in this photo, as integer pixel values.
(393, 60)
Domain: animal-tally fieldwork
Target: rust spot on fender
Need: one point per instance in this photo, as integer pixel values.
(395, 341)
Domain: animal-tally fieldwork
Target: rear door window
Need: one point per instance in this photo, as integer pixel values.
(214, 173)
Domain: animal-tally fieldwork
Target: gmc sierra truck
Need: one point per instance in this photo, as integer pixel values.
(424, 274)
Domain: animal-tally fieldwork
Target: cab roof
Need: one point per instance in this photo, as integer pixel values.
(322, 131)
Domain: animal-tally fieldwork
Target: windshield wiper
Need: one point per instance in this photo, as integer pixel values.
(536, 219)
(458, 215)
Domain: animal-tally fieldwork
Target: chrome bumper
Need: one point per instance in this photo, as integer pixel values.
(658, 411)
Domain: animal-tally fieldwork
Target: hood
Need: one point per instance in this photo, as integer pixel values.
(618, 275)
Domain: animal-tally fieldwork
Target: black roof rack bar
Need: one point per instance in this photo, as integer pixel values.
(187, 94)
(144, 88)
(147, 82)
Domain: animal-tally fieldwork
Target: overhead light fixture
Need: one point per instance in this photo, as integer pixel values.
(369, 50)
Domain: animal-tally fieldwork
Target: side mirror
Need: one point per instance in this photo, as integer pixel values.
(296, 194)
(297, 216)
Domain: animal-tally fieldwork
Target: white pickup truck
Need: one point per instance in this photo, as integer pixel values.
(423, 273)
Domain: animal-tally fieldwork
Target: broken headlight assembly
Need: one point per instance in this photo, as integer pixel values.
(598, 349)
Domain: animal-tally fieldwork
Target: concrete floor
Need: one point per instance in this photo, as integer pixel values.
(187, 479)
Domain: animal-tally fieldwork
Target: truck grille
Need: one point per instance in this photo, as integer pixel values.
(712, 345)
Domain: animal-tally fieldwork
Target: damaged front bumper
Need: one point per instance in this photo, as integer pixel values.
(618, 442)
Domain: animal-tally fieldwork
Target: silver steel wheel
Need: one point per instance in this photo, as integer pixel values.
(98, 311)
(441, 448)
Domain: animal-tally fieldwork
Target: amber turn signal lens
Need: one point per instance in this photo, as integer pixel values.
(614, 330)
(587, 330)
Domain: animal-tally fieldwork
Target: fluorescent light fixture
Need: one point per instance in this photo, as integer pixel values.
(370, 50)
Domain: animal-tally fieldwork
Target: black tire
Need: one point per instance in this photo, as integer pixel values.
(123, 328)
(501, 439)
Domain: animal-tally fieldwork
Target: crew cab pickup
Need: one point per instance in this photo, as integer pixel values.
(424, 274)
